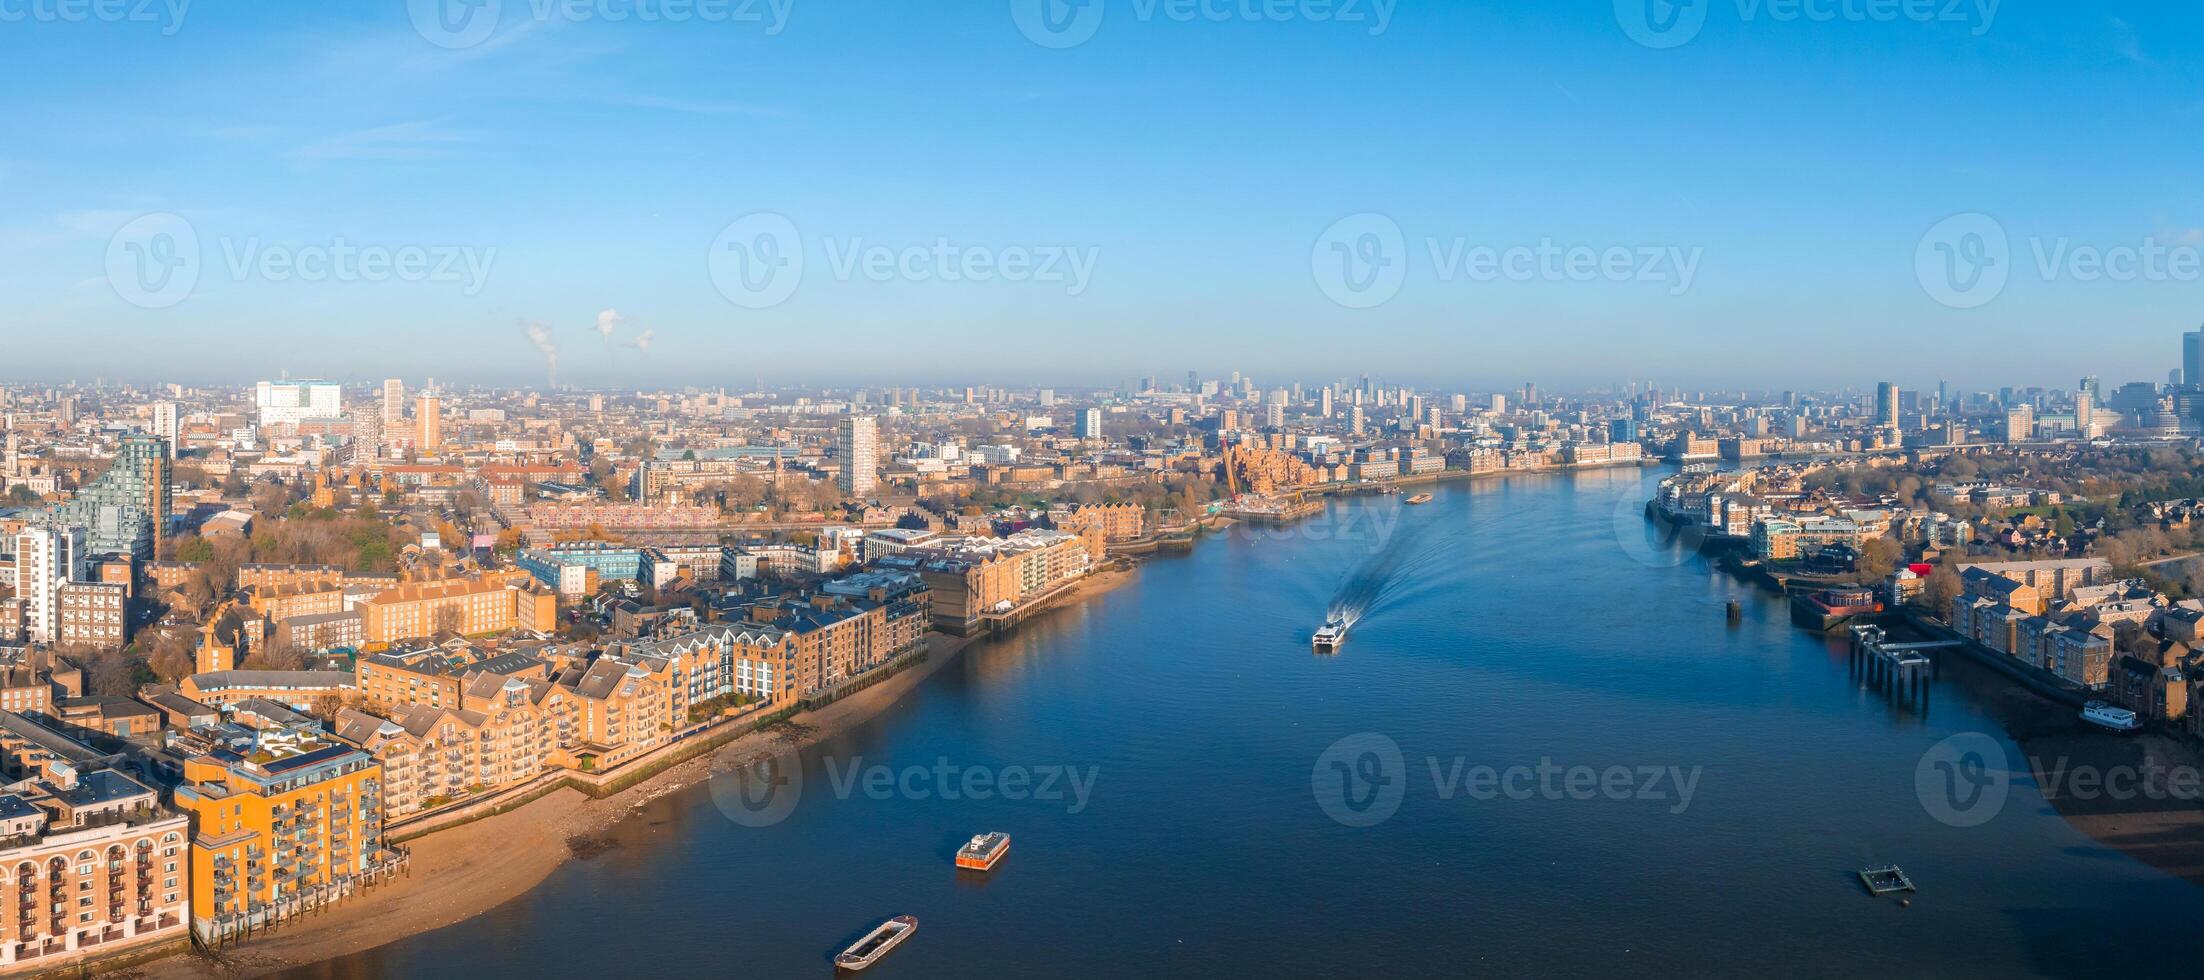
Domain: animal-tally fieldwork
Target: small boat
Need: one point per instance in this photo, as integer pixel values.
(981, 852)
(1329, 636)
(1421, 498)
(876, 944)
(2105, 715)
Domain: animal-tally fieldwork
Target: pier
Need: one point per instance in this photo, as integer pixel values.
(1903, 668)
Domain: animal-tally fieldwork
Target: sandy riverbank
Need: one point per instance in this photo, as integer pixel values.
(464, 871)
(2158, 821)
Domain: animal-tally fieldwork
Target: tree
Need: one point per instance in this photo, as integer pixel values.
(195, 549)
(173, 659)
(1878, 558)
(449, 619)
(1943, 586)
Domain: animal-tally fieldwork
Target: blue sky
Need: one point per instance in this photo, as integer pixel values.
(589, 164)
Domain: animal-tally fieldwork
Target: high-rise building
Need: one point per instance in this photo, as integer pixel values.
(1886, 405)
(125, 510)
(46, 558)
(167, 426)
(394, 402)
(296, 401)
(2020, 423)
(857, 442)
(1089, 424)
(430, 412)
(1324, 402)
(1354, 419)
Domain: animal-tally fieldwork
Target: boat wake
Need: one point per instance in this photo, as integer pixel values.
(1384, 576)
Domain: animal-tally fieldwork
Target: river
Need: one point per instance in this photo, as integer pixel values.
(1596, 774)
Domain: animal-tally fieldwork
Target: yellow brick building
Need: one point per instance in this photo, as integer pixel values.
(288, 825)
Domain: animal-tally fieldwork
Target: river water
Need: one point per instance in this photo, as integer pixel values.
(1596, 775)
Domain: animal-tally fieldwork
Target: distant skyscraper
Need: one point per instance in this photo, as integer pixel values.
(1886, 405)
(1048, 397)
(394, 402)
(1354, 420)
(292, 402)
(430, 410)
(1089, 424)
(166, 425)
(857, 441)
(1324, 402)
(2192, 357)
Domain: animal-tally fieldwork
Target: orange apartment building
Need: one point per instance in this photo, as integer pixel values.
(289, 825)
(311, 598)
(492, 603)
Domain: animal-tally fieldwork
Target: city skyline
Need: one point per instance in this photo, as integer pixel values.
(568, 182)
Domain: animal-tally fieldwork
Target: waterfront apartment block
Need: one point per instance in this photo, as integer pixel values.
(284, 825)
(1788, 539)
(972, 579)
(505, 729)
(93, 865)
(1116, 522)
